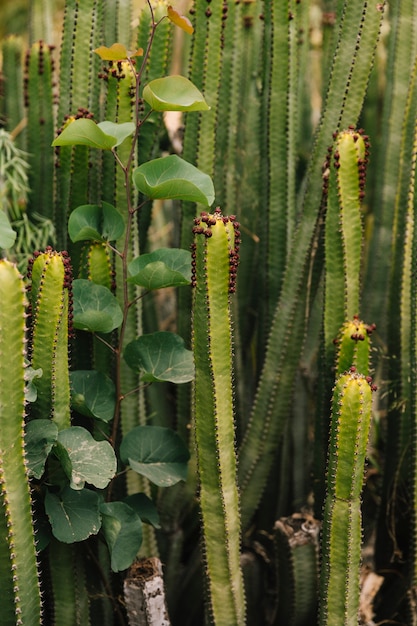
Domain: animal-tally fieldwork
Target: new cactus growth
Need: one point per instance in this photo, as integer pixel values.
(20, 591)
(215, 258)
(341, 540)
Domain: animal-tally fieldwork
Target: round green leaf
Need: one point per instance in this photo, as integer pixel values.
(174, 93)
(95, 308)
(144, 507)
(7, 234)
(173, 178)
(122, 529)
(40, 437)
(157, 453)
(160, 356)
(166, 267)
(119, 131)
(73, 515)
(93, 394)
(84, 132)
(90, 460)
(94, 222)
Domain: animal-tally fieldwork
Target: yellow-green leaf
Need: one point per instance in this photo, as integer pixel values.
(180, 20)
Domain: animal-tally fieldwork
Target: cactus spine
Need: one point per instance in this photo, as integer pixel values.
(270, 409)
(215, 260)
(341, 541)
(50, 303)
(21, 601)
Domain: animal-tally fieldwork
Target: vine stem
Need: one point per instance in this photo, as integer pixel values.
(126, 168)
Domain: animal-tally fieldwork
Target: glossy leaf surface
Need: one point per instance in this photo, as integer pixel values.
(166, 267)
(157, 453)
(89, 460)
(122, 528)
(85, 132)
(95, 309)
(160, 356)
(174, 93)
(93, 394)
(95, 222)
(73, 515)
(172, 178)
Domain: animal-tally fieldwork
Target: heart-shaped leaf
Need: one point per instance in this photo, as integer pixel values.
(7, 234)
(166, 267)
(93, 394)
(122, 528)
(40, 437)
(157, 453)
(173, 178)
(84, 132)
(174, 93)
(90, 460)
(144, 507)
(94, 222)
(160, 356)
(119, 131)
(73, 515)
(95, 308)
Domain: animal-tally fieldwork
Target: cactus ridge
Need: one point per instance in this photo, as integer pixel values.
(215, 258)
(50, 274)
(341, 541)
(17, 551)
(342, 106)
(39, 102)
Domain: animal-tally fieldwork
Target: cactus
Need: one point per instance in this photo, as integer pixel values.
(215, 257)
(11, 102)
(39, 96)
(270, 407)
(341, 541)
(51, 303)
(343, 188)
(21, 598)
(296, 540)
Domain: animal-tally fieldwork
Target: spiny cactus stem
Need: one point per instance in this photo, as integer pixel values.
(215, 257)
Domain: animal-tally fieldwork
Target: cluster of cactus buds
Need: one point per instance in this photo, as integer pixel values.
(205, 225)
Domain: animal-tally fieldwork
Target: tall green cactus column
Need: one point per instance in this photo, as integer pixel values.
(215, 264)
(341, 540)
(20, 591)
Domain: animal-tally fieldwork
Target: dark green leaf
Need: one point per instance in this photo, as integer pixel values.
(84, 132)
(174, 93)
(122, 528)
(157, 453)
(73, 515)
(166, 267)
(160, 356)
(39, 438)
(94, 307)
(93, 394)
(94, 222)
(173, 178)
(91, 461)
(144, 507)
